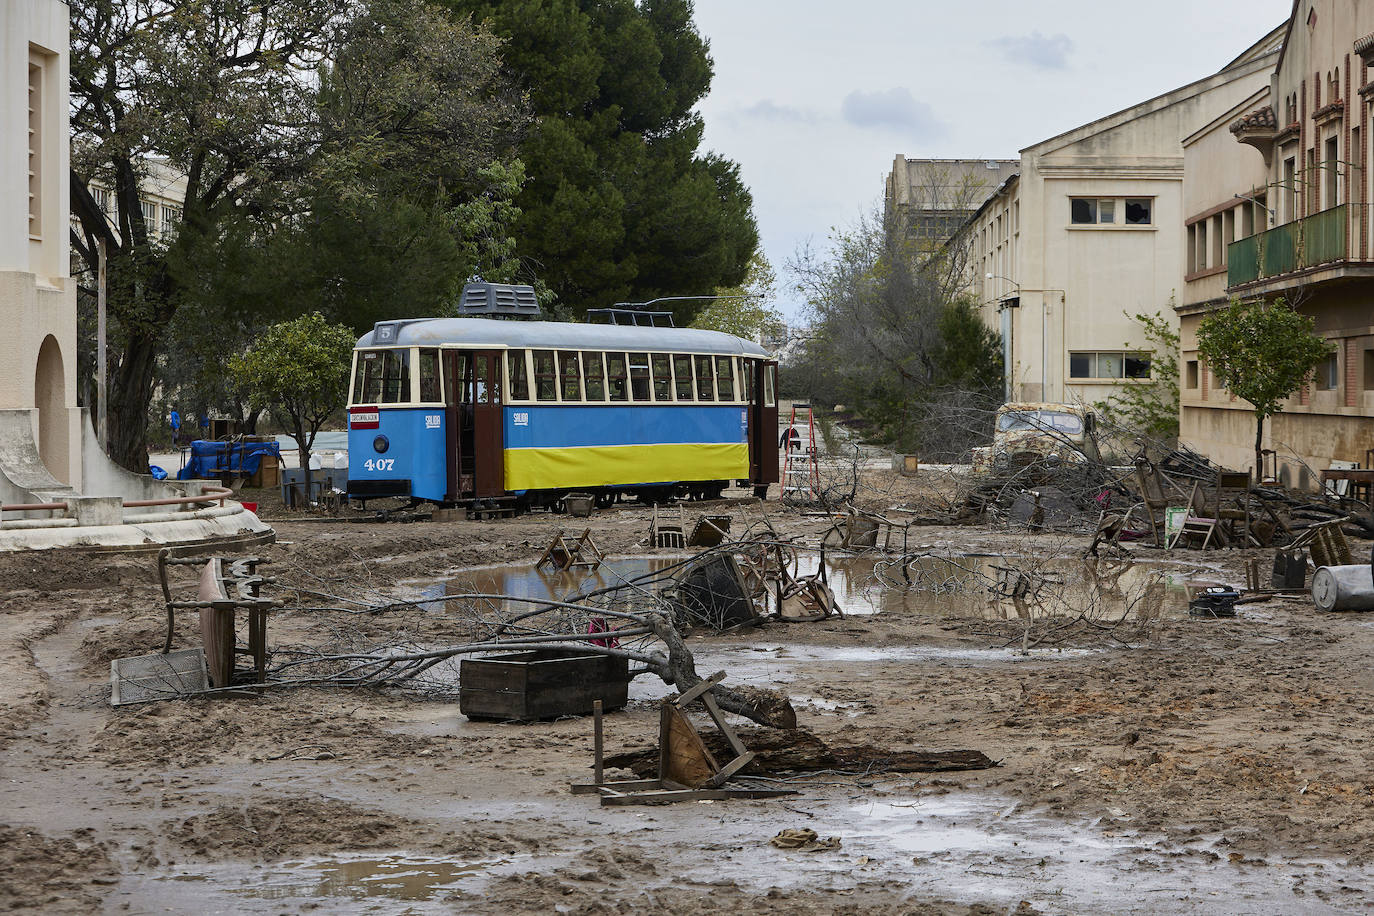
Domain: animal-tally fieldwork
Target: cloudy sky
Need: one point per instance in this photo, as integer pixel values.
(815, 98)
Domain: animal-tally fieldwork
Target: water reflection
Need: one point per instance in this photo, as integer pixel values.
(985, 587)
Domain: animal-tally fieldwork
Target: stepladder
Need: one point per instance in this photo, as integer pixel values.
(801, 478)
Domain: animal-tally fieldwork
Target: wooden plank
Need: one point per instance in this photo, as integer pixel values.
(731, 768)
(700, 688)
(686, 759)
(719, 718)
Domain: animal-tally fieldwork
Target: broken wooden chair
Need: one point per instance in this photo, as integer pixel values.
(665, 535)
(226, 586)
(567, 552)
(709, 531)
(687, 770)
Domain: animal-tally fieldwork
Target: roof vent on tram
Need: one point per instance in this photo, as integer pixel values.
(498, 300)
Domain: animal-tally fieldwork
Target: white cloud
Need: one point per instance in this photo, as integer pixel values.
(1043, 52)
(895, 109)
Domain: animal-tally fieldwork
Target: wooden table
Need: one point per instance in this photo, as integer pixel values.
(1358, 477)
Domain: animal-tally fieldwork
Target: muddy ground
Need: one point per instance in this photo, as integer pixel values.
(1163, 764)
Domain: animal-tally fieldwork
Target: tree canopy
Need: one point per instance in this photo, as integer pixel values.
(893, 338)
(336, 156)
(1262, 352)
(299, 370)
(621, 204)
(745, 310)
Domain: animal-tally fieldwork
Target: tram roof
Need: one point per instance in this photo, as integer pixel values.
(553, 335)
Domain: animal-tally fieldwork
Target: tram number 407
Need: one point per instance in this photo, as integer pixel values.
(380, 464)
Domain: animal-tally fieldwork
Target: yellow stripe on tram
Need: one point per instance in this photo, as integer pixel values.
(611, 465)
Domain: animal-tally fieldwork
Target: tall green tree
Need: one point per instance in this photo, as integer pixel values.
(298, 370)
(746, 310)
(621, 204)
(273, 111)
(1262, 352)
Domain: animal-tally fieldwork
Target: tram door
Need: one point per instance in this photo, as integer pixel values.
(458, 423)
(763, 422)
(472, 400)
(488, 433)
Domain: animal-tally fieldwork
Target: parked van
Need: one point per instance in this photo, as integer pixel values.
(1030, 434)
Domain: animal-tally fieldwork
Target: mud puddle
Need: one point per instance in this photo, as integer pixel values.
(372, 882)
(969, 586)
(964, 845)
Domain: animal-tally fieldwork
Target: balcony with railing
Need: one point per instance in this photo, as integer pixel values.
(1321, 238)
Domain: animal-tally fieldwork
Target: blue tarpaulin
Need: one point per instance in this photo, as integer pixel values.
(216, 459)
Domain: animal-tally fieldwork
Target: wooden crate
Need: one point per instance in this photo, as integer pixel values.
(268, 475)
(541, 684)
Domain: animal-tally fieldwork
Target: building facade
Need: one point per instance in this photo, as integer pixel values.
(1279, 207)
(931, 198)
(37, 298)
(1090, 233)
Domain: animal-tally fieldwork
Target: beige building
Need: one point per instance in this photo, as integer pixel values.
(161, 197)
(1089, 233)
(1277, 198)
(37, 299)
(57, 486)
(932, 198)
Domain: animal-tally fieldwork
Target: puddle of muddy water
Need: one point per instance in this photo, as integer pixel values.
(977, 586)
(395, 877)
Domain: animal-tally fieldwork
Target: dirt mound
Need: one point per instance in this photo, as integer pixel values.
(582, 893)
(291, 826)
(247, 729)
(53, 874)
(52, 570)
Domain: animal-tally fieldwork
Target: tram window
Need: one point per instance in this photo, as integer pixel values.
(663, 377)
(383, 377)
(518, 373)
(747, 380)
(725, 378)
(570, 374)
(479, 376)
(682, 371)
(616, 377)
(366, 362)
(770, 373)
(429, 376)
(639, 376)
(545, 376)
(705, 379)
(496, 377)
(396, 377)
(594, 371)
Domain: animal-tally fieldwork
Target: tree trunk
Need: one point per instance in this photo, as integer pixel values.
(762, 706)
(130, 393)
(303, 449)
(1259, 453)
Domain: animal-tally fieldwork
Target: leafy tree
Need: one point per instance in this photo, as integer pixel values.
(744, 310)
(621, 204)
(893, 338)
(1150, 408)
(1262, 352)
(298, 368)
(236, 95)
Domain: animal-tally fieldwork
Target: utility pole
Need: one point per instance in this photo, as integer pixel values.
(102, 424)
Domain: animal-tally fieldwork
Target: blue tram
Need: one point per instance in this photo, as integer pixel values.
(455, 410)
